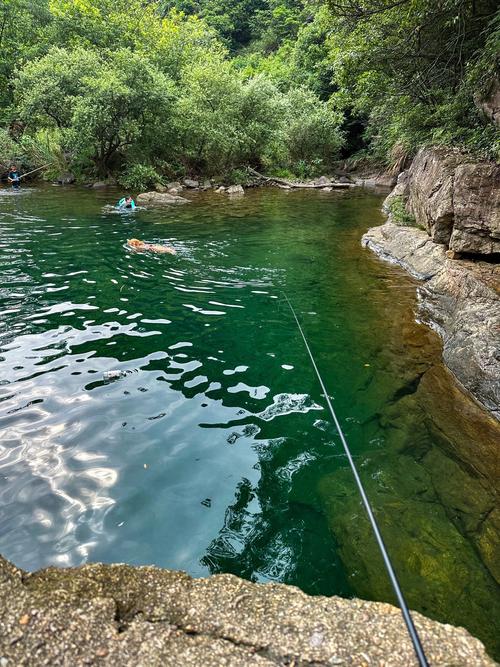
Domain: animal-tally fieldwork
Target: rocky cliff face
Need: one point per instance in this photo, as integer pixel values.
(122, 615)
(460, 299)
(456, 199)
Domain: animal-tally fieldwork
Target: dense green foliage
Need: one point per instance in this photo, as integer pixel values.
(149, 91)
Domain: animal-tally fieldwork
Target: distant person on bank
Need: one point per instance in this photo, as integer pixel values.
(13, 177)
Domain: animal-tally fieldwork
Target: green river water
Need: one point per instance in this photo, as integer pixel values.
(213, 452)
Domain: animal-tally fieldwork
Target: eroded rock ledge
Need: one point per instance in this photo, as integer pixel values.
(123, 615)
(460, 299)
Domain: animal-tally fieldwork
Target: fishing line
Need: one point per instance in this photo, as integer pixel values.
(412, 631)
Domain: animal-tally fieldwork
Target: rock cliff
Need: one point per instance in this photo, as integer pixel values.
(456, 199)
(460, 299)
(123, 615)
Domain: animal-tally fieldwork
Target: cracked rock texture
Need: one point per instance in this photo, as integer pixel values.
(460, 299)
(456, 199)
(124, 615)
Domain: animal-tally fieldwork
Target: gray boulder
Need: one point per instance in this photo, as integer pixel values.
(66, 179)
(235, 190)
(160, 199)
(189, 183)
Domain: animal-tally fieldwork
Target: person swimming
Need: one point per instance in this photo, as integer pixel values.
(136, 244)
(126, 202)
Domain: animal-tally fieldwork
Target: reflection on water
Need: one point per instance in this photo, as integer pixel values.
(159, 409)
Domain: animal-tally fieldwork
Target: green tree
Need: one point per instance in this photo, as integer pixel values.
(310, 136)
(22, 23)
(403, 65)
(222, 121)
(107, 108)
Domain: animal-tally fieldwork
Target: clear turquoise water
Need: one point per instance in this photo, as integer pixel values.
(212, 452)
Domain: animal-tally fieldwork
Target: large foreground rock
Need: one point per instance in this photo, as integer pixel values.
(459, 298)
(121, 615)
(456, 199)
(160, 199)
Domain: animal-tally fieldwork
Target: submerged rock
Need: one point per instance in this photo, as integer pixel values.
(460, 299)
(160, 198)
(123, 615)
(437, 567)
(464, 475)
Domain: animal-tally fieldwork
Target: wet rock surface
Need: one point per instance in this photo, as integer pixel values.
(123, 615)
(460, 299)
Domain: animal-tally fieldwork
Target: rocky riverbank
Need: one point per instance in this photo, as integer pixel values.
(123, 615)
(456, 204)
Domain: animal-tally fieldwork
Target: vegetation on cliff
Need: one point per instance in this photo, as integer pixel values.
(152, 90)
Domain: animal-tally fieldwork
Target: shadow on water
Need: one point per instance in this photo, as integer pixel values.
(209, 449)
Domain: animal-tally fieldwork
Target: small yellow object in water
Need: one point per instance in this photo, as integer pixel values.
(367, 364)
(24, 620)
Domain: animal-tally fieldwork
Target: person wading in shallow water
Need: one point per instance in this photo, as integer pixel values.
(13, 177)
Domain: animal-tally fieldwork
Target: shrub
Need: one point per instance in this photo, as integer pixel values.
(139, 177)
(399, 214)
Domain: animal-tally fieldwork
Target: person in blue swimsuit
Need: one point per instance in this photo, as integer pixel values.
(126, 202)
(13, 177)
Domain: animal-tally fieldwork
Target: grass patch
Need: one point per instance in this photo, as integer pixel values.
(400, 215)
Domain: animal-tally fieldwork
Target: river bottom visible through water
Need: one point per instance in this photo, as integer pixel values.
(209, 448)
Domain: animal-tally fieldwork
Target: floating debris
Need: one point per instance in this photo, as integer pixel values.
(113, 375)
